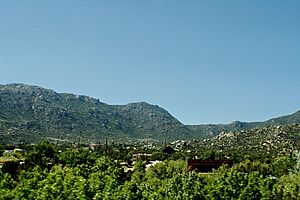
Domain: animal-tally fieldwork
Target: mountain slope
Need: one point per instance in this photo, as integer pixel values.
(210, 130)
(260, 142)
(31, 113)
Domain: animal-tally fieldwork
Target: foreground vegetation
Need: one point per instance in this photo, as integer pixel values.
(77, 173)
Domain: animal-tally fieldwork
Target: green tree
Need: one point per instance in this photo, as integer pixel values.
(288, 187)
(282, 165)
(28, 183)
(43, 154)
(6, 185)
(239, 182)
(1, 150)
(73, 158)
(104, 179)
(62, 183)
(11, 167)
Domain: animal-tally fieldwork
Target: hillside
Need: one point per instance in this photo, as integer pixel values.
(211, 130)
(31, 113)
(271, 140)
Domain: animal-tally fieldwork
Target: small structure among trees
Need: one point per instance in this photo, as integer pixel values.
(207, 165)
(141, 156)
(169, 150)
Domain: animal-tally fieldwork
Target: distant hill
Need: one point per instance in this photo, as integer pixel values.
(30, 113)
(267, 141)
(210, 130)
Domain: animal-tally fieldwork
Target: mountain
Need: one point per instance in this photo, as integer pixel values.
(210, 130)
(261, 142)
(30, 113)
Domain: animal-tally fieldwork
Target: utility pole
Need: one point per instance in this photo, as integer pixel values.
(106, 145)
(146, 141)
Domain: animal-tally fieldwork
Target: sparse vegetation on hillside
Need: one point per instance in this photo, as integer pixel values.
(29, 114)
(211, 130)
(256, 143)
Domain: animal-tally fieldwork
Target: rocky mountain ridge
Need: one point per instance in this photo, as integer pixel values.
(211, 130)
(31, 113)
(260, 142)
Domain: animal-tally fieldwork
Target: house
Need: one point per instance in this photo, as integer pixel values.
(141, 156)
(207, 165)
(169, 150)
(17, 150)
(94, 147)
(8, 151)
(152, 164)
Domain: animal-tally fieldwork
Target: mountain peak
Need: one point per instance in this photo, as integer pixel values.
(141, 103)
(20, 87)
(31, 113)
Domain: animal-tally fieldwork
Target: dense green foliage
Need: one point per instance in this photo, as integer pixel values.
(82, 174)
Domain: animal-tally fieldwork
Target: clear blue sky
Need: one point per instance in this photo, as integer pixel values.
(204, 61)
